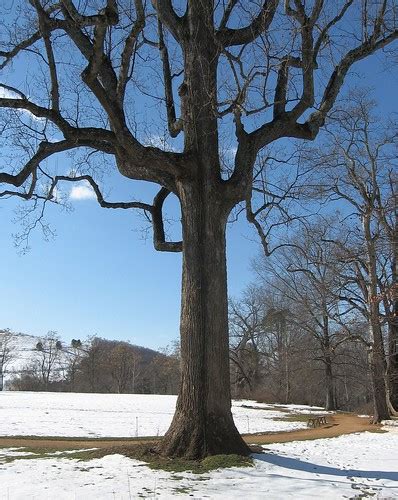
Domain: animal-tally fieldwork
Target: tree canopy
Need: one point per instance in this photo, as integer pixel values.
(162, 92)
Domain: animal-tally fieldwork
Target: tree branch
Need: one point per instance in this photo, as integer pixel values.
(228, 37)
(317, 119)
(44, 150)
(175, 126)
(169, 18)
(227, 14)
(129, 46)
(109, 14)
(159, 238)
(100, 198)
(24, 44)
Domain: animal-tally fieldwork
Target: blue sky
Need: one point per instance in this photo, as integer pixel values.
(99, 276)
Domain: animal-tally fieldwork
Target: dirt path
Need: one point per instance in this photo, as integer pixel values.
(337, 425)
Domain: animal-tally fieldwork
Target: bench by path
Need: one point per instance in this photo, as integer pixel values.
(317, 421)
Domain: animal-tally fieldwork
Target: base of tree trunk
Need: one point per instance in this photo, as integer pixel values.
(392, 409)
(331, 407)
(381, 412)
(193, 440)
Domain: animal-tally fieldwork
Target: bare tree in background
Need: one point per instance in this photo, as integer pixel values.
(246, 324)
(124, 367)
(265, 70)
(163, 373)
(74, 354)
(263, 345)
(307, 272)
(7, 353)
(48, 356)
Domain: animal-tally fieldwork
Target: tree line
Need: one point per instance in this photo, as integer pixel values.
(321, 322)
(96, 365)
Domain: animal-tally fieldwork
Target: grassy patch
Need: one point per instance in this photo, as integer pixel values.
(137, 451)
(280, 408)
(157, 462)
(182, 490)
(78, 439)
(44, 453)
(148, 454)
(296, 417)
(226, 461)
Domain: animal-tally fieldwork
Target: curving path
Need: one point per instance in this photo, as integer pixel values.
(338, 425)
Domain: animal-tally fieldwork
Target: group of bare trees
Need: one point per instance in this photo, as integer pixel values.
(333, 275)
(247, 72)
(95, 365)
(288, 353)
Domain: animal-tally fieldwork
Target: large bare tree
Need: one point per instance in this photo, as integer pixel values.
(357, 167)
(262, 70)
(306, 272)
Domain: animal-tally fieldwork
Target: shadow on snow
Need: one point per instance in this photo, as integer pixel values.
(298, 465)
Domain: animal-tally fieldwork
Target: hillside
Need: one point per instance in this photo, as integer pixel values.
(22, 352)
(94, 365)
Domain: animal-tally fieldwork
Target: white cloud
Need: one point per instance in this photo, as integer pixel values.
(160, 142)
(9, 94)
(82, 191)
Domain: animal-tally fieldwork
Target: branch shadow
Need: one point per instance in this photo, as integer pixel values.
(299, 465)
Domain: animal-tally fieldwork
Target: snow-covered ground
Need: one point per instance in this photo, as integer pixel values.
(118, 415)
(351, 466)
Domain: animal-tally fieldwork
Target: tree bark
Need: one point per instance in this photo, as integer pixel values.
(393, 329)
(203, 423)
(377, 360)
(393, 359)
(330, 400)
(378, 368)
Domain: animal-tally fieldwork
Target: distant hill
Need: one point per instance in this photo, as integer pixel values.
(93, 363)
(23, 350)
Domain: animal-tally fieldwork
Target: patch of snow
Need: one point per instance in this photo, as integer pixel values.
(282, 407)
(390, 423)
(15, 452)
(350, 466)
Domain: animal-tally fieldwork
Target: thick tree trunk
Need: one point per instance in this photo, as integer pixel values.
(203, 423)
(393, 361)
(287, 370)
(378, 371)
(378, 364)
(393, 335)
(330, 400)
